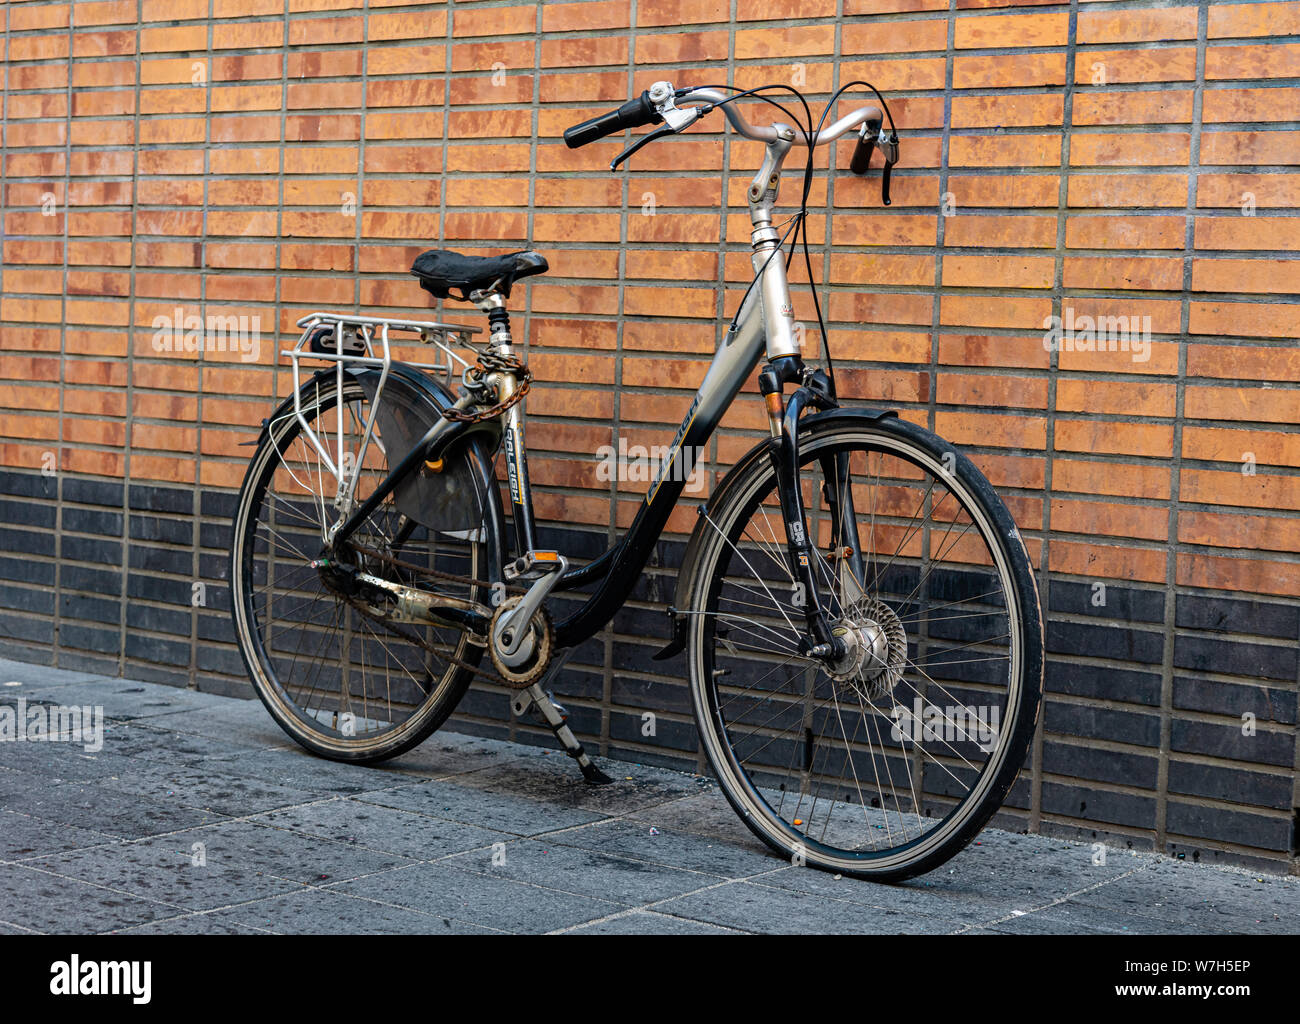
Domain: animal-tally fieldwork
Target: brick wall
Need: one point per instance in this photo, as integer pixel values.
(270, 157)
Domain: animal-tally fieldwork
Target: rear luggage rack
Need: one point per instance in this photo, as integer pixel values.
(363, 342)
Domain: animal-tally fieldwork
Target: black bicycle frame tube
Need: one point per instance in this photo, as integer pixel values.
(785, 464)
(619, 568)
(521, 494)
(732, 364)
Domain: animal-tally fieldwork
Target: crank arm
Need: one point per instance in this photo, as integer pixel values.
(512, 628)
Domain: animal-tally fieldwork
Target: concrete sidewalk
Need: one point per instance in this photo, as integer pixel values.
(199, 815)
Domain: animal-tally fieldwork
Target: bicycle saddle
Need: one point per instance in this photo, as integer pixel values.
(441, 270)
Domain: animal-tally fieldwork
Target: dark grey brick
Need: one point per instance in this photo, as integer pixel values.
(1261, 618)
(1123, 604)
(1266, 703)
(1102, 723)
(1232, 657)
(1099, 805)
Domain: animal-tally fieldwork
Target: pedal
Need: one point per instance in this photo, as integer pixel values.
(535, 563)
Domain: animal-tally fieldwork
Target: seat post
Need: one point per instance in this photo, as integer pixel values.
(498, 318)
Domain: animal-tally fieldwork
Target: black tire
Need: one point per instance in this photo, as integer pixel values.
(727, 645)
(427, 689)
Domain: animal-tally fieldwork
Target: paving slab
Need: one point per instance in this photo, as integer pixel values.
(318, 912)
(498, 903)
(583, 871)
(58, 905)
(69, 762)
(754, 908)
(123, 815)
(500, 811)
(297, 768)
(23, 837)
(233, 795)
(387, 829)
(648, 922)
(1073, 918)
(233, 720)
(739, 856)
(171, 870)
(120, 699)
(206, 923)
(446, 754)
(30, 678)
(1221, 900)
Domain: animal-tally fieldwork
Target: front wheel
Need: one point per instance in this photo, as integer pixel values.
(887, 762)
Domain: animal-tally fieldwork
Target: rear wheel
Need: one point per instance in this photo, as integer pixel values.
(888, 762)
(337, 678)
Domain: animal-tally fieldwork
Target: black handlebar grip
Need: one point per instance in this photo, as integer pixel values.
(632, 114)
(865, 147)
(862, 154)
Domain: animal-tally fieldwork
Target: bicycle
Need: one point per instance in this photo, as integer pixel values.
(858, 610)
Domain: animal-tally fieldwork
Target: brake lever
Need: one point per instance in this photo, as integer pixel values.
(889, 150)
(658, 133)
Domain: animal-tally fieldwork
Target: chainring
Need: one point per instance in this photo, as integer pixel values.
(522, 676)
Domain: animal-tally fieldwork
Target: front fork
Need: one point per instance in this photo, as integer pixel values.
(814, 389)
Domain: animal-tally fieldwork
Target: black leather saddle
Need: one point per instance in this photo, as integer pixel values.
(441, 270)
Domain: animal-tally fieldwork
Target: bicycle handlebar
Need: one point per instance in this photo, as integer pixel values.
(641, 111)
(770, 133)
(632, 114)
(659, 104)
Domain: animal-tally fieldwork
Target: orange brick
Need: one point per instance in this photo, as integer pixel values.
(1131, 150)
(1107, 232)
(1116, 191)
(1266, 19)
(1137, 26)
(1265, 104)
(1173, 107)
(1258, 275)
(1012, 30)
(1237, 232)
(1274, 61)
(1119, 67)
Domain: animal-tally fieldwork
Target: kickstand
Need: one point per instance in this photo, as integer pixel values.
(554, 716)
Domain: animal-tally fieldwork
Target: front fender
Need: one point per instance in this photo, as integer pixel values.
(810, 424)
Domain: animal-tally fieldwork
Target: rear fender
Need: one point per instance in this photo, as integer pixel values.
(451, 500)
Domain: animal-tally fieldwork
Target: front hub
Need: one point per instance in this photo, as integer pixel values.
(875, 648)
